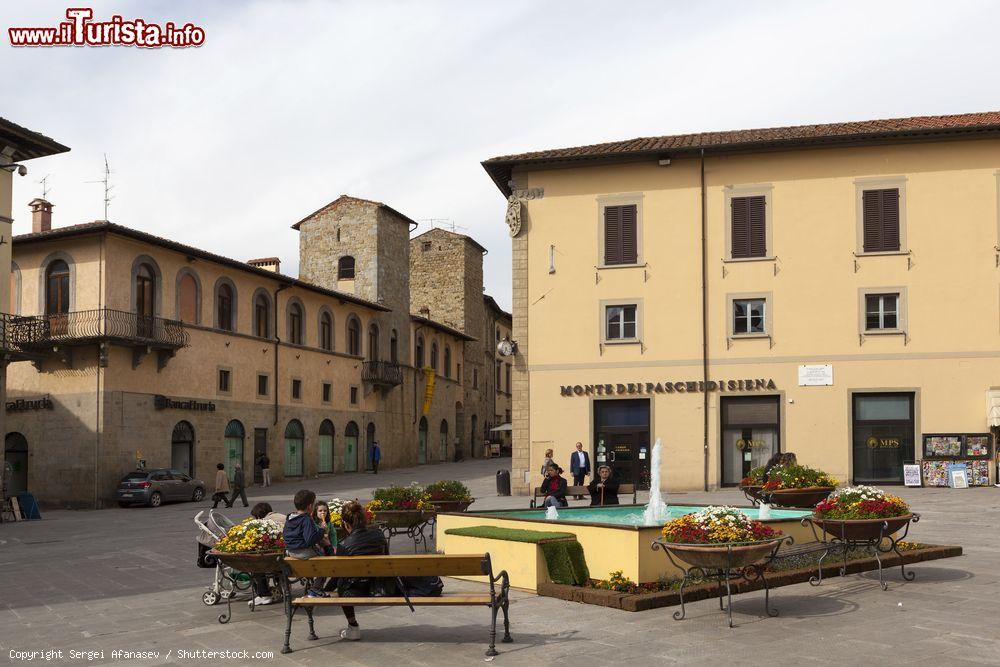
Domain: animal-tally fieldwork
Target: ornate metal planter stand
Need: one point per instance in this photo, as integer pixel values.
(807, 497)
(877, 536)
(722, 563)
(266, 563)
(412, 523)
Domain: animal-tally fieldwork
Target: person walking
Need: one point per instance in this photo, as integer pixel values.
(221, 487)
(265, 468)
(239, 486)
(579, 466)
(376, 457)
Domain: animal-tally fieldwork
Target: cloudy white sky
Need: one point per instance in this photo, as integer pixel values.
(290, 104)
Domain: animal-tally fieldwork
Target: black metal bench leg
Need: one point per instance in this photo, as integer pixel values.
(312, 632)
(506, 622)
(492, 650)
(288, 624)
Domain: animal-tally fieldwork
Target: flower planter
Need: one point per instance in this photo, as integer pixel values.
(753, 492)
(451, 505)
(861, 529)
(402, 518)
(807, 497)
(264, 562)
(717, 556)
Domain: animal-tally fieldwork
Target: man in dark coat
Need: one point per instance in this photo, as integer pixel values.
(239, 486)
(579, 466)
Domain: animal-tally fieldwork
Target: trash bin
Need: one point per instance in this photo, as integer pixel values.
(503, 482)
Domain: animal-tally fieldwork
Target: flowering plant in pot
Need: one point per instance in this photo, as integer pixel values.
(400, 506)
(253, 545)
(861, 512)
(794, 485)
(719, 537)
(336, 507)
(449, 496)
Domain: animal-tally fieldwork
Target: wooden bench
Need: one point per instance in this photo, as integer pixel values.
(623, 490)
(393, 567)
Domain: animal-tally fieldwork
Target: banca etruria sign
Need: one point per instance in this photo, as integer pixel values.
(688, 387)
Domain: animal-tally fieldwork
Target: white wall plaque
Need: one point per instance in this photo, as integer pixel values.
(911, 474)
(818, 375)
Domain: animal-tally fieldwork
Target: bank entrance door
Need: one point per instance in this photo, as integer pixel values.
(883, 435)
(259, 447)
(621, 437)
(750, 435)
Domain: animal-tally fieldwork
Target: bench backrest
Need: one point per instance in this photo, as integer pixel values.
(390, 566)
(623, 489)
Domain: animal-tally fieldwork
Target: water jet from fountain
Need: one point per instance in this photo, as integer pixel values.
(656, 511)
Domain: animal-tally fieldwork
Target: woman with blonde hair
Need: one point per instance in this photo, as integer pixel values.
(546, 462)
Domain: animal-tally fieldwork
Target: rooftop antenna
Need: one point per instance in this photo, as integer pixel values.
(45, 186)
(443, 223)
(107, 186)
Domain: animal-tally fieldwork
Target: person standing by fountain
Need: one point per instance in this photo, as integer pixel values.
(603, 489)
(546, 462)
(579, 466)
(554, 488)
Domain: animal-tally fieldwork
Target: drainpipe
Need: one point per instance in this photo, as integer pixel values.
(704, 312)
(277, 342)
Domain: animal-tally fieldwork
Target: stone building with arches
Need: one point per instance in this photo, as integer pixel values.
(150, 352)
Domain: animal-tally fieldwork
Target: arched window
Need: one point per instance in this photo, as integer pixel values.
(225, 307)
(235, 436)
(261, 316)
(145, 291)
(418, 352)
(373, 342)
(325, 331)
(57, 288)
(353, 336)
(16, 455)
(434, 356)
(443, 440)
(188, 297)
(345, 268)
(295, 323)
(295, 437)
(182, 448)
(351, 447)
(325, 463)
(422, 441)
(394, 347)
(369, 444)
(447, 361)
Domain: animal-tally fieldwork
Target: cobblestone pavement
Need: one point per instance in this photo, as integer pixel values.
(126, 579)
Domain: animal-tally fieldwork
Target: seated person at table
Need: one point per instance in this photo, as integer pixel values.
(361, 540)
(603, 489)
(302, 538)
(554, 488)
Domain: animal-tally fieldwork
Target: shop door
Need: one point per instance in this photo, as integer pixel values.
(750, 435)
(351, 447)
(16, 456)
(621, 434)
(882, 437)
(259, 448)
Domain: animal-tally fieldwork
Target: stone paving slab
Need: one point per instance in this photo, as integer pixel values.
(126, 579)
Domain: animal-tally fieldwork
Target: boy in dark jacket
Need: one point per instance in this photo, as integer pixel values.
(302, 538)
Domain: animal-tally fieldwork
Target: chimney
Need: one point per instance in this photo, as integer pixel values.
(272, 264)
(41, 215)
(425, 312)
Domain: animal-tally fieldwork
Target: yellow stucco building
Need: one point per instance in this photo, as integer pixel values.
(829, 290)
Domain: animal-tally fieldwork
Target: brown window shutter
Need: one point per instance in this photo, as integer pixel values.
(880, 211)
(613, 235)
(890, 219)
(629, 227)
(757, 226)
(741, 227)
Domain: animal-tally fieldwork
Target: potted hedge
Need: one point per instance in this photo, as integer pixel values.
(401, 506)
(449, 496)
(860, 513)
(719, 538)
(255, 546)
(794, 485)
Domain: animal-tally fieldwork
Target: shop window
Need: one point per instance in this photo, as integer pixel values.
(750, 435)
(182, 448)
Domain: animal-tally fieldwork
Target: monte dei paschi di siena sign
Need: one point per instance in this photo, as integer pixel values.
(688, 387)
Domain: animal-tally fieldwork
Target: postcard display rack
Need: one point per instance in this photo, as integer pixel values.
(945, 449)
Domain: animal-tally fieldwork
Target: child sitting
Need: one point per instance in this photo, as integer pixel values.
(302, 538)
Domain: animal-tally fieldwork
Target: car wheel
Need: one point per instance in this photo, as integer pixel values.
(155, 500)
(124, 504)
(210, 598)
(199, 493)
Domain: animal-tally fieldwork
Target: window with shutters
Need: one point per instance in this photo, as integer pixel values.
(881, 207)
(748, 223)
(621, 321)
(882, 310)
(620, 225)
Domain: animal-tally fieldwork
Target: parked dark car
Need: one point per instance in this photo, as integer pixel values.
(154, 487)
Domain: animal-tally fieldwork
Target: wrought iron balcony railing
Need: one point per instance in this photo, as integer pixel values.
(31, 333)
(384, 373)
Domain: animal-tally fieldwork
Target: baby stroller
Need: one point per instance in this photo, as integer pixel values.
(227, 582)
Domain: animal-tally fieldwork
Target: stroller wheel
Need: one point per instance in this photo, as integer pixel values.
(210, 598)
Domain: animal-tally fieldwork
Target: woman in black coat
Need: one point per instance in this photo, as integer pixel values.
(554, 488)
(361, 540)
(603, 489)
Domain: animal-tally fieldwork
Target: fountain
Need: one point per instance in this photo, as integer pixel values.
(551, 514)
(656, 511)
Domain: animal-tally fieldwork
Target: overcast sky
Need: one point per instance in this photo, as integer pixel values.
(290, 104)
